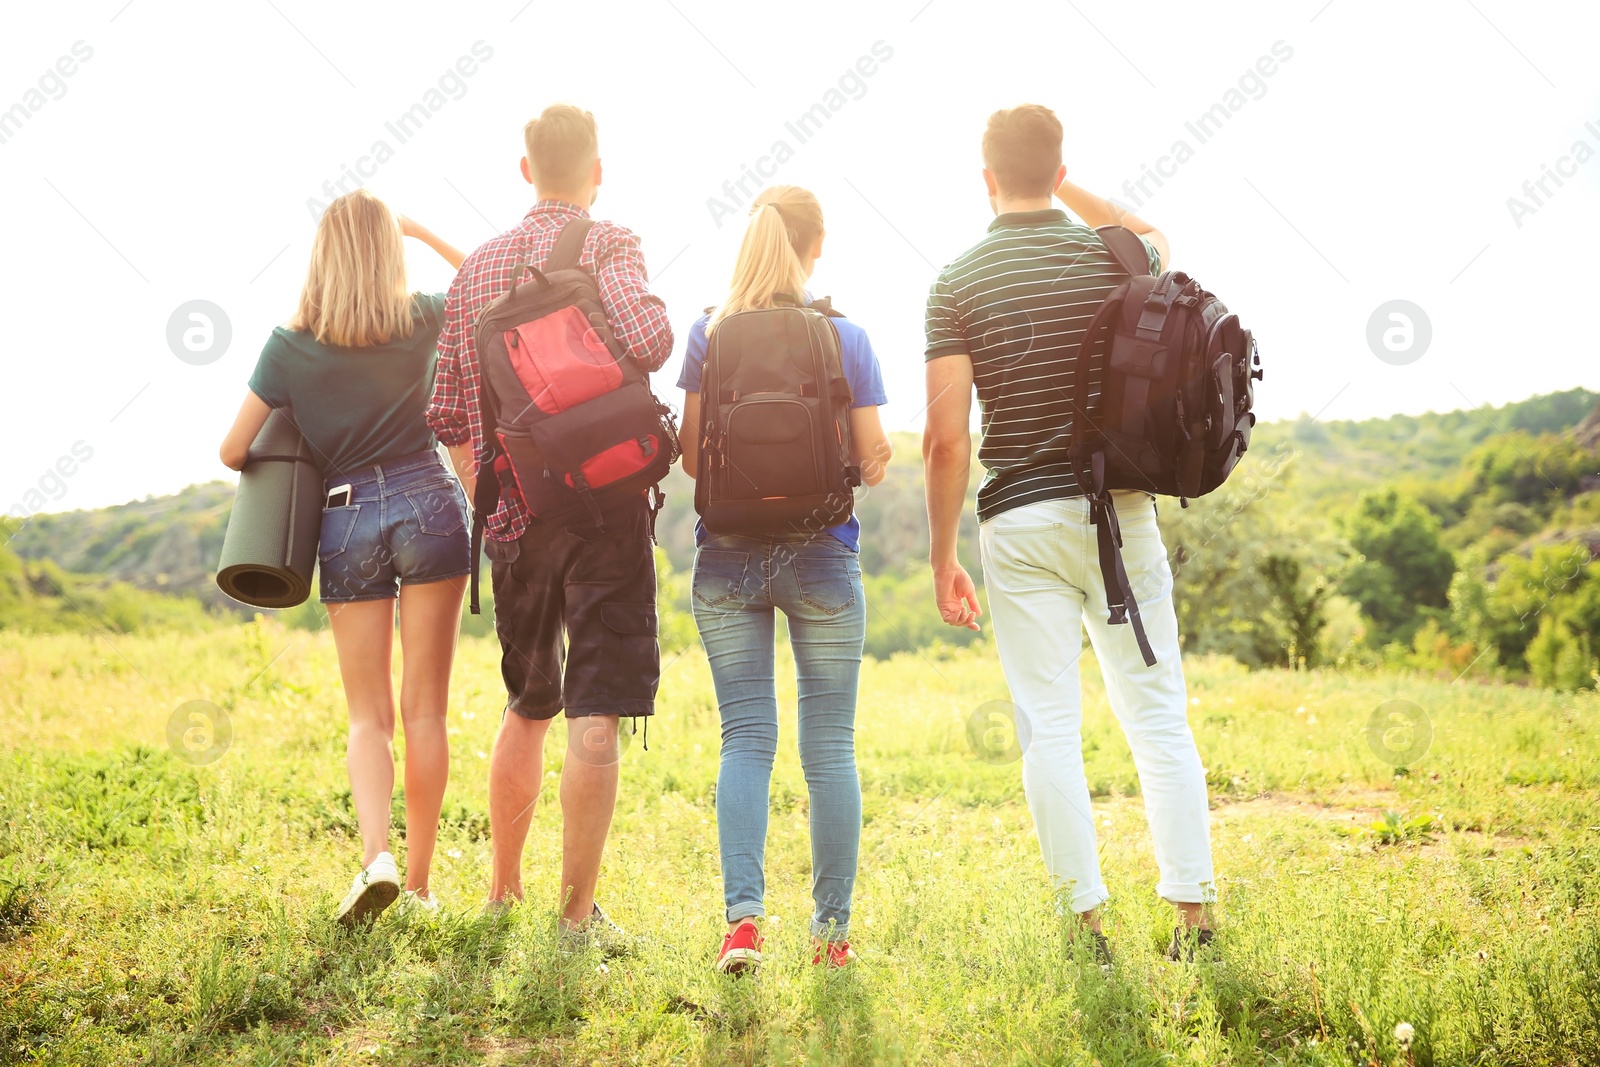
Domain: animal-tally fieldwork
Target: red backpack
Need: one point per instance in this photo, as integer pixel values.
(569, 421)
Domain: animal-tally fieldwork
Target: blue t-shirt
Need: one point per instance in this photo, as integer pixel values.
(860, 368)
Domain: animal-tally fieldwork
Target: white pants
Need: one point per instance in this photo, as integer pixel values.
(1042, 572)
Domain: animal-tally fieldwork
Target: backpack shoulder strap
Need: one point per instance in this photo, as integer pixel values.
(569, 244)
(486, 483)
(824, 304)
(1126, 248)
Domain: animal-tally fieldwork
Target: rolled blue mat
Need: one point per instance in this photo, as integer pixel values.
(270, 549)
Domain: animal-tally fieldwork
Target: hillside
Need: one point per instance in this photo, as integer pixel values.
(170, 543)
(165, 544)
(1424, 541)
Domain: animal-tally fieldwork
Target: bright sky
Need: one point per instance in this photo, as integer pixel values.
(1363, 152)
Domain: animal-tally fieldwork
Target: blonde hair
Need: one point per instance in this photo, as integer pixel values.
(355, 293)
(1022, 149)
(562, 143)
(785, 222)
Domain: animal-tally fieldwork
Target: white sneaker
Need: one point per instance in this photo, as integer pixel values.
(373, 890)
(411, 902)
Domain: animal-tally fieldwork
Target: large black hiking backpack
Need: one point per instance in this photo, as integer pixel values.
(1173, 414)
(774, 427)
(569, 421)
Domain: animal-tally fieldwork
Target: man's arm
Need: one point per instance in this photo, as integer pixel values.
(638, 317)
(453, 411)
(1096, 212)
(947, 463)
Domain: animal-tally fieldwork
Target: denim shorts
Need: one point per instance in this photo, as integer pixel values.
(406, 522)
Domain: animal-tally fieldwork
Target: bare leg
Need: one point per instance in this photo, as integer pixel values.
(514, 774)
(363, 632)
(1192, 915)
(430, 618)
(588, 799)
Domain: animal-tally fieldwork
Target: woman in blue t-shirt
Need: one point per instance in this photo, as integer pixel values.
(815, 580)
(353, 370)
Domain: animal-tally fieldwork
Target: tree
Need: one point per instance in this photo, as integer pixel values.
(1300, 607)
(1402, 566)
(1543, 613)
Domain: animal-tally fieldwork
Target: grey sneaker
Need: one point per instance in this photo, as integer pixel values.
(1185, 943)
(598, 931)
(1102, 949)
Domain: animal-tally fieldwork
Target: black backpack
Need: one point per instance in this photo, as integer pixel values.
(569, 421)
(775, 424)
(1173, 415)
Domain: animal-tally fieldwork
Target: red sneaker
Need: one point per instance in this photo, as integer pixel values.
(741, 949)
(839, 954)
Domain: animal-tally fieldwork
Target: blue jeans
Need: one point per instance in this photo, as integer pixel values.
(816, 583)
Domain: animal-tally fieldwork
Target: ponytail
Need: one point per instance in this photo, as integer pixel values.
(783, 220)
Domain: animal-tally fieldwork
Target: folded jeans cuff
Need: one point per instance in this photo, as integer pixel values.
(1083, 900)
(750, 909)
(1187, 892)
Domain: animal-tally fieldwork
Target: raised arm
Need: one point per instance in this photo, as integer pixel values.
(1097, 211)
(450, 253)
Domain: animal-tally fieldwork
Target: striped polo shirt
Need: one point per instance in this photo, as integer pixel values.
(1018, 302)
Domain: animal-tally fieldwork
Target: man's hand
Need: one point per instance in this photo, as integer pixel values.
(465, 462)
(947, 462)
(1096, 212)
(956, 596)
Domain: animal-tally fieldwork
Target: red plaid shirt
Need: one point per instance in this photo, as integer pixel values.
(639, 320)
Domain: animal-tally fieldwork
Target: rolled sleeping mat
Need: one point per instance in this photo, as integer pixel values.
(270, 548)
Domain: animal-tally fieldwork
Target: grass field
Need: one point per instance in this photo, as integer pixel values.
(157, 912)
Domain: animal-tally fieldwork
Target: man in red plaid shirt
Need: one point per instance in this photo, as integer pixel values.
(596, 590)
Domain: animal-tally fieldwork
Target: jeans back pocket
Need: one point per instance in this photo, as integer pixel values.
(719, 575)
(827, 583)
(337, 526)
(439, 508)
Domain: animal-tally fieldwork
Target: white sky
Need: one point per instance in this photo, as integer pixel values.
(177, 163)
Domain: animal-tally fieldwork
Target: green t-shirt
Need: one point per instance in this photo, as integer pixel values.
(356, 406)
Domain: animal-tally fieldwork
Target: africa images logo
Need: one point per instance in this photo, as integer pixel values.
(403, 128)
(737, 192)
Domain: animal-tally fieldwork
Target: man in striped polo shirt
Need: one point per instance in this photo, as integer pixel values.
(1008, 317)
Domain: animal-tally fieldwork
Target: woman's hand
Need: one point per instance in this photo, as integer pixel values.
(411, 228)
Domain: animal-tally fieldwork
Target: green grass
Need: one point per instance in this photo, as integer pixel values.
(154, 912)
